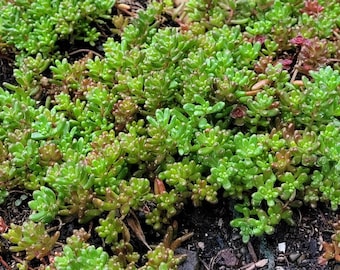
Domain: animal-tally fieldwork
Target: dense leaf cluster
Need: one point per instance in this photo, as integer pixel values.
(37, 26)
(241, 100)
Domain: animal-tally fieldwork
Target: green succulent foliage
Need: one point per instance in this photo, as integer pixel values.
(252, 227)
(281, 13)
(44, 204)
(25, 155)
(292, 183)
(329, 145)
(167, 46)
(110, 228)
(28, 74)
(78, 254)
(181, 175)
(241, 163)
(36, 26)
(221, 12)
(321, 25)
(67, 177)
(256, 221)
(130, 258)
(167, 205)
(105, 162)
(128, 195)
(65, 73)
(212, 144)
(323, 180)
(161, 258)
(88, 118)
(16, 117)
(18, 111)
(204, 110)
(88, 256)
(180, 125)
(132, 194)
(140, 31)
(47, 125)
(266, 191)
(186, 177)
(319, 101)
(321, 97)
(32, 238)
(261, 27)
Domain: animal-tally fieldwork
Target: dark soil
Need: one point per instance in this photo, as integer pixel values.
(214, 245)
(6, 67)
(220, 247)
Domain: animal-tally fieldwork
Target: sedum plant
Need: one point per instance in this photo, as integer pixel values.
(45, 205)
(228, 104)
(37, 26)
(32, 238)
(78, 254)
(331, 249)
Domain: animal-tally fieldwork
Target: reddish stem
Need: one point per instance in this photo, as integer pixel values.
(4, 264)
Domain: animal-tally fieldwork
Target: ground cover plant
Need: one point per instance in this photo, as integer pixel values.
(235, 100)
